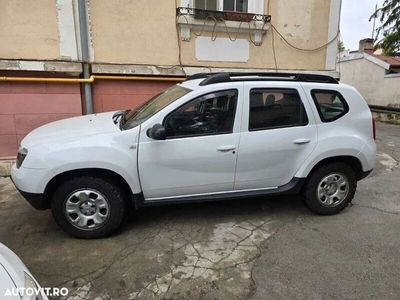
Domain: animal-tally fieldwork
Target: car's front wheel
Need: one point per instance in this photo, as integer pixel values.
(88, 207)
(330, 188)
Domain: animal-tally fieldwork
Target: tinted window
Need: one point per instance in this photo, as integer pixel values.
(209, 114)
(330, 104)
(271, 108)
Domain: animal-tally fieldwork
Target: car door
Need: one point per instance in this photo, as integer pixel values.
(278, 134)
(198, 155)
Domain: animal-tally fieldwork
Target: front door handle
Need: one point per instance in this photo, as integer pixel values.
(226, 148)
(301, 141)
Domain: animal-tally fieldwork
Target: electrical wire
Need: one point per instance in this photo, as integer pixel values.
(303, 49)
(273, 50)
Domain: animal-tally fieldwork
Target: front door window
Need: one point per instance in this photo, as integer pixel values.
(206, 115)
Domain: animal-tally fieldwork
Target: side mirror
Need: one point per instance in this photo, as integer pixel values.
(157, 132)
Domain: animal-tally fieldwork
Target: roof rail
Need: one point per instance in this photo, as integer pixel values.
(210, 78)
(199, 76)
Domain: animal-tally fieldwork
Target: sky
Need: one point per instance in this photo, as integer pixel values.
(354, 21)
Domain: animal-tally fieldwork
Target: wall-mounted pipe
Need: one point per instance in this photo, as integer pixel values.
(91, 79)
(85, 54)
(141, 78)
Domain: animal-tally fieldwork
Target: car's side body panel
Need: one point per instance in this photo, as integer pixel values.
(292, 187)
(350, 135)
(367, 156)
(188, 165)
(270, 158)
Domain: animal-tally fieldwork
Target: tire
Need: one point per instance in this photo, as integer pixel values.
(325, 191)
(96, 207)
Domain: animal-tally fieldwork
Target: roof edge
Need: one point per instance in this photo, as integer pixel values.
(368, 57)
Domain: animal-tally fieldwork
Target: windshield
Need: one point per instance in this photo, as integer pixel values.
(137, 116)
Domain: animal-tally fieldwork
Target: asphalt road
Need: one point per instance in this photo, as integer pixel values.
(270, 248)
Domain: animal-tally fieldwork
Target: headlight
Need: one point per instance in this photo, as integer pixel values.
(31, 288)
(22, 153)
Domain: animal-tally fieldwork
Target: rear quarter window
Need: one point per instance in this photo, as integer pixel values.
(330, 104)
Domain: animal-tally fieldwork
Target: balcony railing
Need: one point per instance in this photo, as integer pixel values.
(229, 22)
(222, 15)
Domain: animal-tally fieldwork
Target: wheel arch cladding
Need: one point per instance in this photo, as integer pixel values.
(351, 161)
(95, 172)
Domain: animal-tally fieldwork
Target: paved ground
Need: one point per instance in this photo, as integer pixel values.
(261, 249)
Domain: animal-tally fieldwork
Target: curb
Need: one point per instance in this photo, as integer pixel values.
(5, 167)
(386, 117)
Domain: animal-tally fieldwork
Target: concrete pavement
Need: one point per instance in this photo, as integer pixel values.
(262, 249)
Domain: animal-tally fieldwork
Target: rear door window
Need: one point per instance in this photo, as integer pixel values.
(276, 108)
(331, 105)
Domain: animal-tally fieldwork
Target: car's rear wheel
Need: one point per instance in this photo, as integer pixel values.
(88, 207)
(330, 188)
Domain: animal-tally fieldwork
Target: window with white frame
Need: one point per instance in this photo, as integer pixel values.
(223, 5)
(236, 5)
(194, 14)
(206, 4)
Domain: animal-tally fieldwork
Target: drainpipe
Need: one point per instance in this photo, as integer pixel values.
(85, 54)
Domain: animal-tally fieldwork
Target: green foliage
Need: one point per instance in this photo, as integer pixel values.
(390, 43)
(389, 15)
(341, 47)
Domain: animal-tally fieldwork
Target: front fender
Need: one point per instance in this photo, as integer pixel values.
(116, 152)
(129, 176)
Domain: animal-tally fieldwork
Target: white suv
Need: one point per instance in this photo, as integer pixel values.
(214, 136)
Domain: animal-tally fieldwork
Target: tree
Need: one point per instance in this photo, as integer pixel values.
(390, 43)
(341, 48)
(389, 15)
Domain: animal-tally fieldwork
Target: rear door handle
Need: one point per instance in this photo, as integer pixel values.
(301, 141)
(226, 148)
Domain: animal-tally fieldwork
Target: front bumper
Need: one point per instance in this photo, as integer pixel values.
(30, 183)
(36, 200)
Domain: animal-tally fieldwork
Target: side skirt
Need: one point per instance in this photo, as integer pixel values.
(292, 187)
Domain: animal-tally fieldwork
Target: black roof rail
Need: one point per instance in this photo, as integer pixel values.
(216, 78)
(316, 78)
(210, 78)
(199, 76)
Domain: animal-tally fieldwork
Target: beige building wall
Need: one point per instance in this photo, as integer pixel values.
(134, 32)
(28, 30)
(371, 81)
(144, 32)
